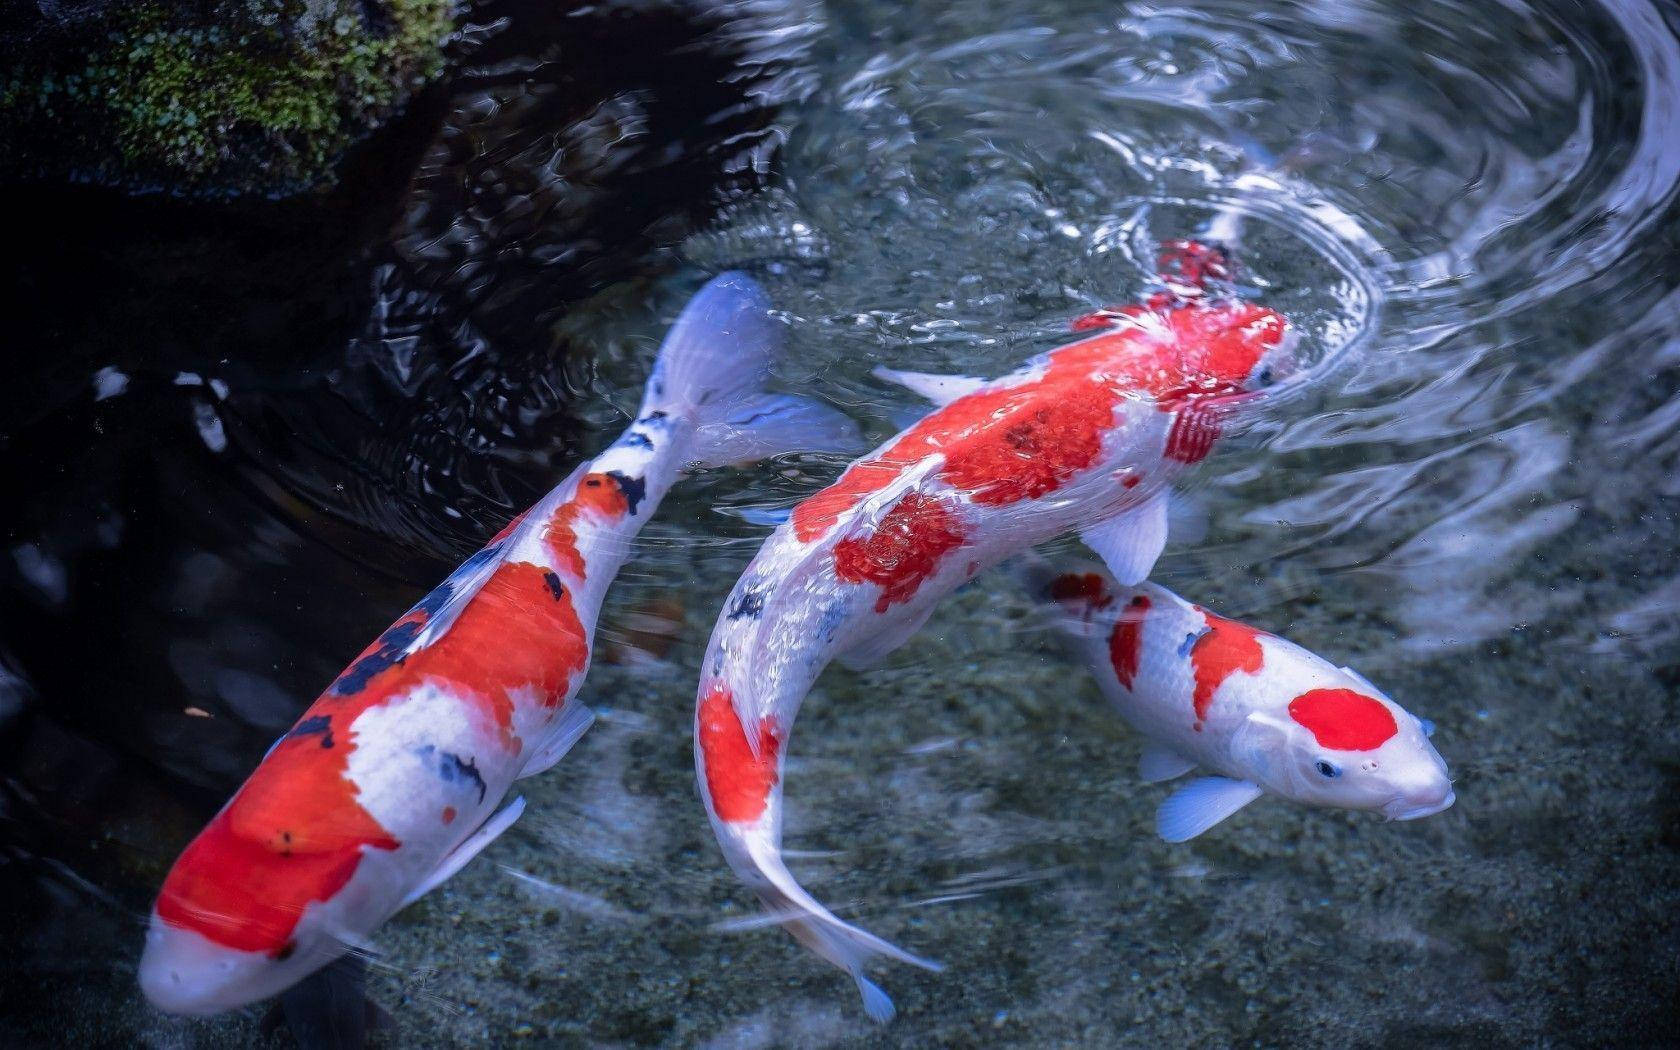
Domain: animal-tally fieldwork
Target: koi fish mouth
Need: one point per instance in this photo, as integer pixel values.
(1404, 809)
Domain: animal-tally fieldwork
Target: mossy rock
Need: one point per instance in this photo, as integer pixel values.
(221, 96)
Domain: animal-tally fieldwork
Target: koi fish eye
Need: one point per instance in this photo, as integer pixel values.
(1327, 770)
(1265, 378)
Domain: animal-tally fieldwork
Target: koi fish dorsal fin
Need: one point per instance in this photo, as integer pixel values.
(1130, 542)
(457, 858)
(445, 604)
(1200, 804)
(940, 389)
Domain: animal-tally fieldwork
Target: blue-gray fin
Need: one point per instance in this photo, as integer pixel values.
(760, 425)
(575, 720)
(877, 1004)
(1200, 804)
(1159, 763)
(458, 857)
(940, 389)
(1130, 542)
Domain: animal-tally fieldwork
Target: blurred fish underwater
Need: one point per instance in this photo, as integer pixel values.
(242, 434)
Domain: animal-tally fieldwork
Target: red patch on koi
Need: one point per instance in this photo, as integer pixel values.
(1001, 445)
(1343, 720)
(449, 814)
(1035, 453)
(1080, 587)
(738, 781)
(1226, 648)
(600, 495)
(247, 893)
(1125, 643)
(295, 833)
(903, 550)
(1194, 262)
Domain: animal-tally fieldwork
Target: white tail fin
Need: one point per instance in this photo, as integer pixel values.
(712, 369)
(759, 862)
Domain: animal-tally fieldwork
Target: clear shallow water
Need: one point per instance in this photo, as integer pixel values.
(1468, 210)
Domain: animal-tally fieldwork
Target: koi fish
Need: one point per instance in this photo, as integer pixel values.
(389, 783)
(1258, 714)
(1086, 437)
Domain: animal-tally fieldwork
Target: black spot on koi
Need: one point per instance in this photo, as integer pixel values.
(454, 771)
(750, 605)
(634, 489)
(321, 724)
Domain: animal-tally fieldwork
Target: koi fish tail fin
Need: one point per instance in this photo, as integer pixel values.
(819, 929)
(712, 370)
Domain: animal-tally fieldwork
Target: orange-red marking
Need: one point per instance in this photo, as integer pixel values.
(737, 780)
(1087, 587)
(597, 494)
(1125, 643)
(1343, 720)
(1226, 648)
(903, 550)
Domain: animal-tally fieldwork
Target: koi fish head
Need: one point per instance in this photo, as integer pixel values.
(184, 972)
(1348, 748)
(1230, 348)
(246, 932)
(270, 891)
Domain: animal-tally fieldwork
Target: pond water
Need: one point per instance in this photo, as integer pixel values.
(234, 463)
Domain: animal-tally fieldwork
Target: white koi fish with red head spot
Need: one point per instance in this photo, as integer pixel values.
(1260, 715)
(1084, 438)
(389, 783)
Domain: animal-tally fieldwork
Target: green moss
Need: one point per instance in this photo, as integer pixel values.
(257, 95)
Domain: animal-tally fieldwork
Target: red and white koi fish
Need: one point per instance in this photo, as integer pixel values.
(1084, 438)
(388, 784)
(1259, 714)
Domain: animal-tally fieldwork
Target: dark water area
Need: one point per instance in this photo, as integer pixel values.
(241, 436)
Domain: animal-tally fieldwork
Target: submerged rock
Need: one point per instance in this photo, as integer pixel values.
(216, 96)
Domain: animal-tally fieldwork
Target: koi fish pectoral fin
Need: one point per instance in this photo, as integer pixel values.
(868, 651)
(940, 389)
(1158, 763)
(457, 858)
(575, 720)
(1131, 542)
(1200, 804)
